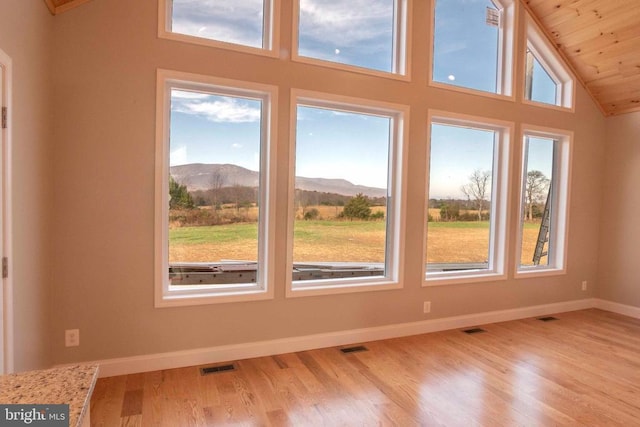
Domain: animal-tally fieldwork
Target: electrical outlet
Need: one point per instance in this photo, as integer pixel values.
(427, 307)
(72, 337)
(584, 285)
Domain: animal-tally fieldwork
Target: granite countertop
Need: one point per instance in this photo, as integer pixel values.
(70, 385)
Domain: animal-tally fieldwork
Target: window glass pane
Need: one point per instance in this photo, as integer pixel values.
(460, 200)
(466, 37)
(359, 33)
(540, 86)
(232, 21)
(342, 169)
(537, 236)
(214, 188)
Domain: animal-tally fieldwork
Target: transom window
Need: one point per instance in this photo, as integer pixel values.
(212, 189)
(345, 213)
(368, 34)
(473, 44)
(222, 23)
(468, 172)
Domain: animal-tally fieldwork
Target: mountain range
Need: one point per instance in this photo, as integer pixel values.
(201, 176)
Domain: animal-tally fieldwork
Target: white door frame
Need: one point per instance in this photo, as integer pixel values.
(6, 288)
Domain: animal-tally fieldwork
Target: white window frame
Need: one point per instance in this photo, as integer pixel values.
(7, 323)
(560, 196)
(401, 65)
(165, 294)
(500, 195)
(506, 54)
(549, 59)
(394, 251)
(270, 31)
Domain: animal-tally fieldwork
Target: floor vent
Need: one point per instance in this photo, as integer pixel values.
(354, 349)
(473, 331)
(216, 369)
(547, 319)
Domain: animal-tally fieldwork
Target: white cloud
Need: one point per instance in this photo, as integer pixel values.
(346, 23)
(182, 94)
(178, 156)
(235, 21)
(220, 109)
(236, 145)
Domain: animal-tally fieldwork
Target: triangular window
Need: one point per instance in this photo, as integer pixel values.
(546, 77)
(539, 85)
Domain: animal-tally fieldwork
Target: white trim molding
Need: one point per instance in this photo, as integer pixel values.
(614, 307)
(178, 359)
(7, 326)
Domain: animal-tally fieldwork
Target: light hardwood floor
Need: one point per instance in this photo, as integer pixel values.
(582, 369)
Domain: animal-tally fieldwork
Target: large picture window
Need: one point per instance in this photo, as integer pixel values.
(212, 188)
(345, 214)
(473, 44)
(544, 201)
(368, 34)
(468, 173)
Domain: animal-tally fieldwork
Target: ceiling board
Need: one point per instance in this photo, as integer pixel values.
(600, 40)
(59, 6)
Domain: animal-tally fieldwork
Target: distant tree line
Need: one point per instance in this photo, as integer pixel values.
(237, 195)
(475, 208)
(318, 198)
(357, 207)
(457, 210)
(184, 206)
(478, 190)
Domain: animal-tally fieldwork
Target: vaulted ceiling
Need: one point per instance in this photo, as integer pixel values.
(599, 39)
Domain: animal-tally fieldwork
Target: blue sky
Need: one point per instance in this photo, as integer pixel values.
(216, 129)
(543, 87)
(455, 153)
(465, 47)
(361, 140)
(540, 155)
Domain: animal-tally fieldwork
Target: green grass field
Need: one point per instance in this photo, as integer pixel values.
(357, 241)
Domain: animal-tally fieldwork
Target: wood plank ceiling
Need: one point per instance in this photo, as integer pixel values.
(59, 6)
(600, 39)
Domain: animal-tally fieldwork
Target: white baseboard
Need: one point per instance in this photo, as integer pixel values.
(627, 310)
(178, 359)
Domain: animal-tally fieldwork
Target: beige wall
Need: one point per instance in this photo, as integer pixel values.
(106, 56)
(26, 29)
(619, 275)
